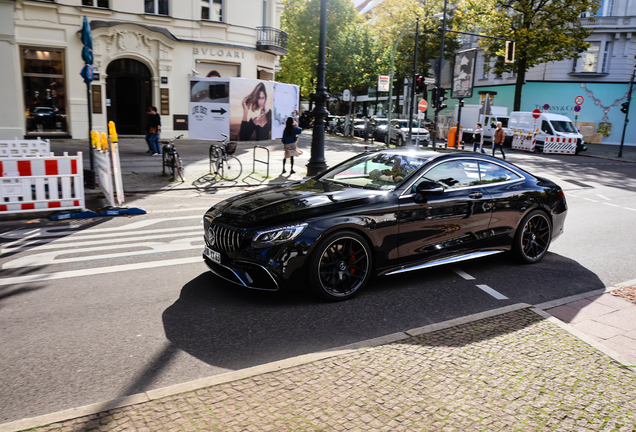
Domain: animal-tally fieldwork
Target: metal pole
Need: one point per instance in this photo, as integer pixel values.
(629, 100)
(412, 95)
(90, 125)
(317, 163)
(459, 122)
(438, 78)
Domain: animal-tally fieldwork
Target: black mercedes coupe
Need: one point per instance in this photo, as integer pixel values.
(381, 213)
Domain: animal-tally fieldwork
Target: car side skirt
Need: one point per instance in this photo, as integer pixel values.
(450, 260)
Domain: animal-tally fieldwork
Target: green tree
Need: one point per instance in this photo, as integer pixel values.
(543, 31)
(301, 20)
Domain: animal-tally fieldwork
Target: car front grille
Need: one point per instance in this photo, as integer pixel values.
(222, 238)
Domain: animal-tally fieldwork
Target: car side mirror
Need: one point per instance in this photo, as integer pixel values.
(427, 188)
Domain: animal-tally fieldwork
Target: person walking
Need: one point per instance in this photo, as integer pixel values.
(498, 140)
(478, 138)
(153, 130)
(290, 139)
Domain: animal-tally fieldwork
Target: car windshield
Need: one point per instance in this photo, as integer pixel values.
(381, 122)
(404, 124)
(563, 126)
(378, 171)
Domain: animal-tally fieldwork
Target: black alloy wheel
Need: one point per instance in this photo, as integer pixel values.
(340, 266)
(533, 237)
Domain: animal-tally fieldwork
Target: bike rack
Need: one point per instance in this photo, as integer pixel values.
(260, 161)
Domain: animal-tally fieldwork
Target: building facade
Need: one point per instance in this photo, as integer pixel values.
(145, 52)
(601, 75)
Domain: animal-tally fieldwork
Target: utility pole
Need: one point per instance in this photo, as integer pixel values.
(412, 95)
(629, 100)
(438, 78)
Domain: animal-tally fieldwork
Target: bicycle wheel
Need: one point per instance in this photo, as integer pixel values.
(230, 168)
(215, 155)
(164, 160)
(178, 167)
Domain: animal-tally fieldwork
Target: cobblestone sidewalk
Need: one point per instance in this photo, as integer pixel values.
(514, 371)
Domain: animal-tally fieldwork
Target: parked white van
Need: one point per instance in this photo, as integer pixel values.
(548, 124)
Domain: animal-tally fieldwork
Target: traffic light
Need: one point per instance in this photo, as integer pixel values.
(419, 83)
(441, 97)
(625, 107)
(510, 52)
(434, 97)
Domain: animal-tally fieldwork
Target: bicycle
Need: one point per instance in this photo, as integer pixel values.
(225, 165)
(171, 159)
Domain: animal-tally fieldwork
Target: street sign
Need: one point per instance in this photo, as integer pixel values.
(577, 108)
(579, 100)
(536, 113)
(546, 107)
(420, 116)
(422, 105)
(429, 80)
(384, 83)
(346, 95)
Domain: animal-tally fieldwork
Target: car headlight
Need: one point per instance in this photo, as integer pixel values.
(278, 235)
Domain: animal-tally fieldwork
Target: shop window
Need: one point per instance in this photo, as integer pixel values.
(96, 3)
(44, 90)
(212, 11)
(157, 7)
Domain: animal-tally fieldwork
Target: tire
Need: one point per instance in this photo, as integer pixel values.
(178, 167)
(231, 168)
(164, 161)
(533, 237)
(214, 158)
(340, 266)
(399, 142)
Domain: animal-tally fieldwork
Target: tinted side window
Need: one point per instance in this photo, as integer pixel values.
(545, 127)
(454, 174)
(493, 173)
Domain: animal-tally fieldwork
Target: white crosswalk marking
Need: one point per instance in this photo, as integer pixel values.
(100, 249)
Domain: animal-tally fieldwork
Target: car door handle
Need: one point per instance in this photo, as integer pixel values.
(475, 195)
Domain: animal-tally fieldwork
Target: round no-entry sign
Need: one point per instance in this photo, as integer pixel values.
(536, 113)
(579, 100)
(422, 105)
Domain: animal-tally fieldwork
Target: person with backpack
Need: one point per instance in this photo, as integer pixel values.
(290, 139)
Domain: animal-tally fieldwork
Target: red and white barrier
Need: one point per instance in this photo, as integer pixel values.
(559, 145)
(41, 183)
(24, 148)
(524, 142)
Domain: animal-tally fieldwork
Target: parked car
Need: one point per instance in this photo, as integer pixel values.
(45, 116)
(400, 133)
(378, 214)
(359, 126)
(378, 126)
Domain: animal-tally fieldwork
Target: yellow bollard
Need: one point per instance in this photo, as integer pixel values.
(112, 131)
(104, 142)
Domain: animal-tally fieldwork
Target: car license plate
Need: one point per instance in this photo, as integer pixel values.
(213, 255)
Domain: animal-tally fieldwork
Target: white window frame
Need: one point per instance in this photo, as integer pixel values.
(156, 7)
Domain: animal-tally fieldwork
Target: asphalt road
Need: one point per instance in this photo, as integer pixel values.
(117, 306)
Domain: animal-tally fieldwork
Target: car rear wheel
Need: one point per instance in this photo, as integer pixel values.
(399, 141)
(533, 237)
(340, 266)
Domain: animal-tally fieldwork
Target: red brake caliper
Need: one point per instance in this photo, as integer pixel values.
(352, 259)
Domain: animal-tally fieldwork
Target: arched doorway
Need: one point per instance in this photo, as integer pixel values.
(129, 89)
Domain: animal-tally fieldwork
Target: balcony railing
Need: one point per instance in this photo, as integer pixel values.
(271, 40)
(619, 23)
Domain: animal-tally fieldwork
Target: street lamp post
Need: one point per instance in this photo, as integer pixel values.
(317, 162)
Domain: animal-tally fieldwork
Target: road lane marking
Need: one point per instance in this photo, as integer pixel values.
(83, 242)
(604, 197)
(465, 275)
(51, 258)
(492, 292)
(627, 208)
(590, 199)
(101, 270)
(613, 205)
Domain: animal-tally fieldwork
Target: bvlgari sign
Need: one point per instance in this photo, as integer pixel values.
(219, 52)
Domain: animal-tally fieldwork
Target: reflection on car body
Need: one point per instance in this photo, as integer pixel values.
(381, 213)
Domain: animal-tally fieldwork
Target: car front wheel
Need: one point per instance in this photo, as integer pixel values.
(340, 266)
(533, 237)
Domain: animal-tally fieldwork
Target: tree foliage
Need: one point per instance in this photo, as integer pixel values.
(543, 31)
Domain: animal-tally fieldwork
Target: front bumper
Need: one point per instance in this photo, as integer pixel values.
(244, 273)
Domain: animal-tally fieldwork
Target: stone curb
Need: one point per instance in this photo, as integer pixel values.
(34, 422)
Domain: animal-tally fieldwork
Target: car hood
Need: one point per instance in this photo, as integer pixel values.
(416, 130)
(289, 202)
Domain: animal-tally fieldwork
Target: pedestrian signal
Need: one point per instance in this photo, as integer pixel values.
(510, 52)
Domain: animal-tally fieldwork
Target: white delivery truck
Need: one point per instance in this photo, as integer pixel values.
(548, 124)
(471, 116)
